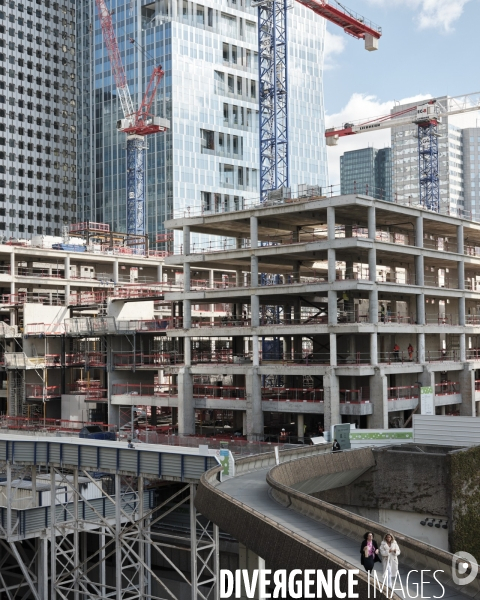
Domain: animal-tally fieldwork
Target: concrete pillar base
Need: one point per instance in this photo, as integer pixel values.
(379, 399)
(186, 407)
(331, 392)
(253, 384)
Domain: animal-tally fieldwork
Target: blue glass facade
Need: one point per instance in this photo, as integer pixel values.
(367, 171)
(209, 157)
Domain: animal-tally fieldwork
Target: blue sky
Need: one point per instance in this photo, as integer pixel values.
(428, 48)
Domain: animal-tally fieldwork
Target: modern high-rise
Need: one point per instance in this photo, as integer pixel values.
(367, 171)
(471, 171)
(209, 158)
(450, 163)
(37, 117)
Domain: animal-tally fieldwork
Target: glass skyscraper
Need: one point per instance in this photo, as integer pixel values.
(209, 157)
(367, 171)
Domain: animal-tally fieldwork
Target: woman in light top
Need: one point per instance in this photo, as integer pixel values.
(389, 552)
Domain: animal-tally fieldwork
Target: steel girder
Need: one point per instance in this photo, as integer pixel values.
(273, 96)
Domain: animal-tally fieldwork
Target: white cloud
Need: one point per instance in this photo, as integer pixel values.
(334, 44)
(360, 107)
(439, 14)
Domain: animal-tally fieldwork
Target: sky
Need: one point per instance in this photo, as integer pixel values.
(428, 48)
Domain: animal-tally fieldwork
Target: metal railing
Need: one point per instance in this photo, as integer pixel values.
(447, 388)
(403, 392)
(139, 359)
(38, 422)
(41, 392)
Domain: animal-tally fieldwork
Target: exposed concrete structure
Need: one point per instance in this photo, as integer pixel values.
(340, 310)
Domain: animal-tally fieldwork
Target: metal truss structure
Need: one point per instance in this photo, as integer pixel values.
(273, 97)
(428, 165)
(136, 163)
(116, 545)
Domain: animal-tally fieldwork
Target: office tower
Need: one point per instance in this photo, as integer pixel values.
(209, 158)
(471, 174)
(37, 117)
(450, 163)
(367, 171)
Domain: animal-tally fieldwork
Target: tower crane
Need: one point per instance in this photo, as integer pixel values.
(272, 68)
(135, 123)
(427, 117)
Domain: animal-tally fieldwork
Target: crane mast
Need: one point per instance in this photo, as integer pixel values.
(135, 123)
(273, 79)
(427, 117)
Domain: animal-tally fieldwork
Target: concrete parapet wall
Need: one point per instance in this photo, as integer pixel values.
(415, 554)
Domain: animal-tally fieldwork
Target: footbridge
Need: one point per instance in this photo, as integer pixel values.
(86, 520)
(269, 509)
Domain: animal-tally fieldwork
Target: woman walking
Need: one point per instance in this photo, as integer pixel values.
(389, 551)
(369, 551)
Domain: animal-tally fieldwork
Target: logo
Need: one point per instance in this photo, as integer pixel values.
(461, 563)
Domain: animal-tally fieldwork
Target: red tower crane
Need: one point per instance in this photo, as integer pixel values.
(135, 123)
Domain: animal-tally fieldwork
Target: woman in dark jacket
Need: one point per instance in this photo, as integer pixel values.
(369, 551)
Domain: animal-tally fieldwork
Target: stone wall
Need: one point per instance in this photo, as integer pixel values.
(405, 480)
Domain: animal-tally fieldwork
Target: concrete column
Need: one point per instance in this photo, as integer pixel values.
(244, 422)
(115, 271)
(159, 273)
(373, 306)
(239, 279)
(255, 351)
(460, 239)
(300, 425)
(419, 232)
(419, 271)
(253, 232)
(333, 349)
(372, 229)
(379, 398)
(420, 309)
(331, 394)
(332, 307)
(187, 314)
(461, 311)
(348, 231)
(186, 406)
(463, 353)
(186, 240)
(12, 272)
(461, 274)
(255, 310)
(186, 277)
(253, 384)
(373, 349)
(372, 264)
(254, 271)
(332, 272)
(66, 266)
(331, 222)
(42, 574)
(421, 347)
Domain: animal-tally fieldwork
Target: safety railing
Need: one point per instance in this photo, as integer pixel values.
(387, 317)
(477, 385)
(90, 325)
(442, 355)
(41, 329)
(472, 250)
(439, 282)
(399, 278)
(403, 392)
(473, 354)
(401, 238)
(360, 274)
(441, 243)
(441, 319)
(282, 394)
(90, 388)
(471, 283)
(354, 358)
(52, 272)
(75, 359)
(38, 391)
(397, 356)
(447, 388)
(38, 422)
(222, 392)
(86, 298)
(139, 359)
(8, 330)
(125, 326)
(47, 298)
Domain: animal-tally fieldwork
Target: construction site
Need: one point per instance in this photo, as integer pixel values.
(156, 376)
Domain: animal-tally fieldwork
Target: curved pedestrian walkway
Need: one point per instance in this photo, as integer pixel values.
(276, 530)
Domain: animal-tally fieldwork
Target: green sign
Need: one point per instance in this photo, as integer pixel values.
(398, 435)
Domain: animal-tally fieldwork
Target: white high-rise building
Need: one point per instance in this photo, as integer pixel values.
(405, 178)
(210, 155)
